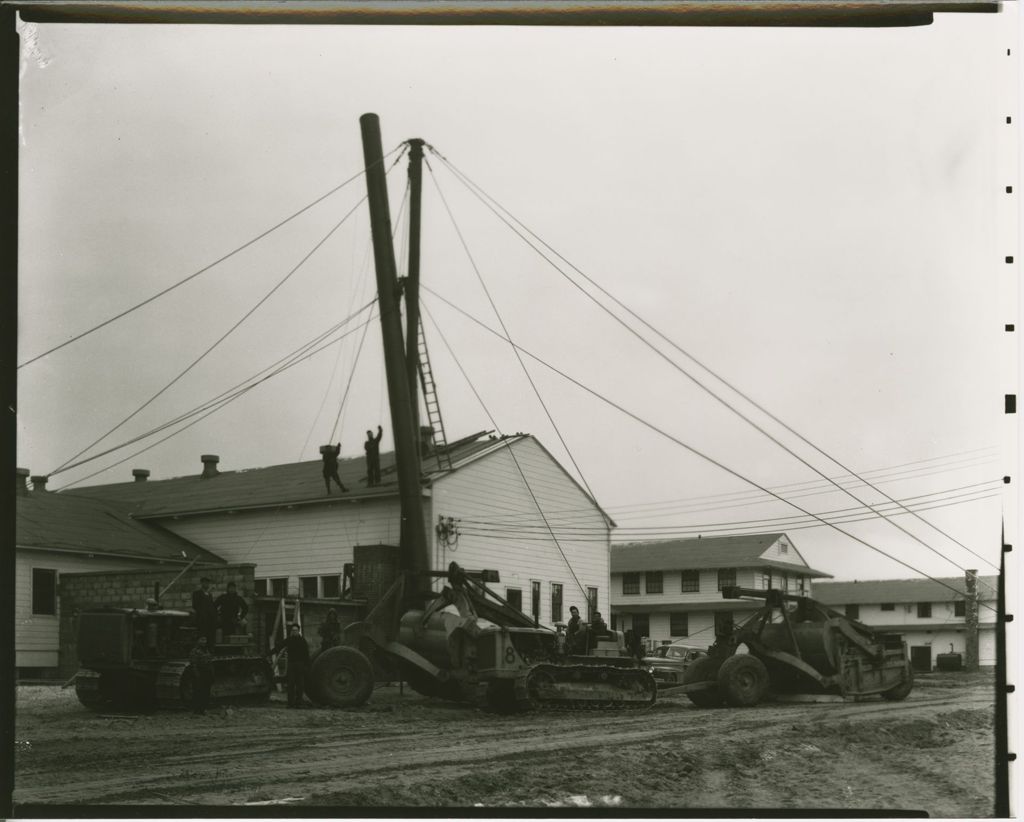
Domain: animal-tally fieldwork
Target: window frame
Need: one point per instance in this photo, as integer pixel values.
(633, 624)
(51, 576)
(304, 582)
(672, 624)
(592, 594)
(324, 578)
(924, 610)
(557, 601)
(691, 576)
(509, 590)
(887, 606)
(535, 591)
(960, 608)
(630, 581)
(273, 584)
(852, 610)
(724, 575)
(654, 582)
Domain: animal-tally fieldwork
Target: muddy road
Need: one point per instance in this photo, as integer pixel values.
(933, 752)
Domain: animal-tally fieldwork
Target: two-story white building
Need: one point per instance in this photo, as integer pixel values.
(929, 616)
(487, 505)
(672, 589)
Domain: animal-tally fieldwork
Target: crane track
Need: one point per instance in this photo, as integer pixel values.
(576, 688)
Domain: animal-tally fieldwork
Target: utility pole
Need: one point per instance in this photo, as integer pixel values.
(971, 655)
(413, 538)
(412, 280)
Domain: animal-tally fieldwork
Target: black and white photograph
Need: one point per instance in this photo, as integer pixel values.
(608, 412)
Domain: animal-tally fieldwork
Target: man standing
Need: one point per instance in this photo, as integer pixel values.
(330, 631)
(330, 457)
(201, 661)
(298, 664)
(206, 612)
(372, 446)
(231, 609)
(572, 630)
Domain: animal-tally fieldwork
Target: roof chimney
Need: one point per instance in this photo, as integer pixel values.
(21, 488)
(140, 474)
(39, 482)
(209, 465)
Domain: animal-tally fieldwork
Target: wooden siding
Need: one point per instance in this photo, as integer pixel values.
(292, 543)
(36, 636)
(493, 501)
(791, 555)
(672, 588)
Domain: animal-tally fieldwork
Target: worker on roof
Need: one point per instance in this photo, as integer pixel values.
(372, 446)
(330, 457)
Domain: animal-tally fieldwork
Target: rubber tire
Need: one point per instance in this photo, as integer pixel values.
(901, 691)
(743, 680)
(703, 669)
(341, 677)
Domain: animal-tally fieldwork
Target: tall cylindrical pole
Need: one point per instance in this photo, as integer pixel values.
(971, 645)
(412, 280)
(413, 532)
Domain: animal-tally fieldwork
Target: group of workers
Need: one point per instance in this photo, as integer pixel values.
(580, 637)
(371, 446)
(227, 612)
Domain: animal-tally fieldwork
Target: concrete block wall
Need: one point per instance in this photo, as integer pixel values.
(131, 589)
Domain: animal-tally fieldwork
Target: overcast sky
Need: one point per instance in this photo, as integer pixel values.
(818, 216)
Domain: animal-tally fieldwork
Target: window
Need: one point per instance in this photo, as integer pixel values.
(614, 621)
(44, 592)
(309, 587)
(641, 625)
(514, 596)
(853, 611)
(726, 576)
(591, 603)
(331, 586)
(960, 608)
(723, 623)
(279, 587)
(924, 609)
(888, 606)
(556, 602)
(783, 547)
(803, 586)
(654, 582)
(766, 579)
(691, 582)
(535, 599)
(679, 623)
(259, 587)
(631, 583)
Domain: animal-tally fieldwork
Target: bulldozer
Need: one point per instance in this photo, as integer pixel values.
(137, 659)
(468, 638)
(793, 645)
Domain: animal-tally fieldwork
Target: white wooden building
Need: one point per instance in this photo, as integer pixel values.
(59, 534)
(489, 509)
(930, 615)
(672, 589)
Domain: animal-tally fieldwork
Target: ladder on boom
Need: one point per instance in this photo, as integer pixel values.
(444, 460)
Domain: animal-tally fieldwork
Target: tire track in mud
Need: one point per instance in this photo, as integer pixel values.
(432, 743)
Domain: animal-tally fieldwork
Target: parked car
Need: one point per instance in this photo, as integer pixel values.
(668, 662)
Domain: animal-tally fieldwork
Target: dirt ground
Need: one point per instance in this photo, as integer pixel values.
(933, 752)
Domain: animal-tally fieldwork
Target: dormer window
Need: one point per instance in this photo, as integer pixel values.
(783, 547)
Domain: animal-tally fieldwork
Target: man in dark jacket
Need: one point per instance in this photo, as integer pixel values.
(206, 612)
(231, 609)
(330, 631)
(372, 446)
(330, 457)
(572, 630)
(201, 662)
(298, 664)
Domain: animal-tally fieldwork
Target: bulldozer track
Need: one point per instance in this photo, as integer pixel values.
(574, 688)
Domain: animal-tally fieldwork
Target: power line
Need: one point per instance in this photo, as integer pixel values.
(474, 188)
(201, 357)
(224, 398)
(688, 447)
(511, 453)
(206, 268)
